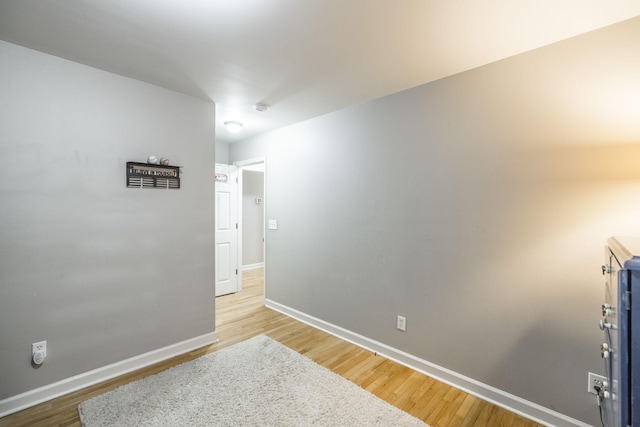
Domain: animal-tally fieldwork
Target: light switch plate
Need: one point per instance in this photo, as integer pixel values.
(273, 224)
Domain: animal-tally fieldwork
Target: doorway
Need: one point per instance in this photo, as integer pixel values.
(251, 248)
(240, 224)
(251, 213)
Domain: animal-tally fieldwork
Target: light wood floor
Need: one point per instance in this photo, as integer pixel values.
(242, 315)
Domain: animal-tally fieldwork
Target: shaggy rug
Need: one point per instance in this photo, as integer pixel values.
(258, 382)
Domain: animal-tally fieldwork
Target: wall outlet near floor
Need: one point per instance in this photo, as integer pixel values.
(596, 381)
(401, 323)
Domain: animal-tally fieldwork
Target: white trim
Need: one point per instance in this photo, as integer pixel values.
(252, 266)
(249, 162)
(239, 192)
(513, 403)
(68, 385)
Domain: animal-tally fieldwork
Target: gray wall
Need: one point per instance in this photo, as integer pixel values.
(222, 152)
(101, 272)
(477, 206)
(252, 217)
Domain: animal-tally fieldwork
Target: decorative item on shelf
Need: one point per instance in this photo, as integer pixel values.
(222, 178)
(153, 175)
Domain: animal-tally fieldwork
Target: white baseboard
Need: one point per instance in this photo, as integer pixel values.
(68, 385)
(513, 403)
(252, 266)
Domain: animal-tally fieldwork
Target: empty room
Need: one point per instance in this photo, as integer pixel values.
(322, 212)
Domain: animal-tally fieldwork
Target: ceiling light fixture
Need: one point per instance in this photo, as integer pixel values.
(233, 126)
(262, 107)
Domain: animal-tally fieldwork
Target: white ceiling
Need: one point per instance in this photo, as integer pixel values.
(304, 58)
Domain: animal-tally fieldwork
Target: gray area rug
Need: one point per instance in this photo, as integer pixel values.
(258, 382)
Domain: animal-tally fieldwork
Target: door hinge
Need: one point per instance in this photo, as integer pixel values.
(236, 271)
(236, 225)
(236, 179)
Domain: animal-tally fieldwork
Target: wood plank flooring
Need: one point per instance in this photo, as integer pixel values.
(242, 315)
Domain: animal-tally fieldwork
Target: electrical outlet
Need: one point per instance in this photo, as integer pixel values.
(39, 346)
(401, 323)
(596, 381)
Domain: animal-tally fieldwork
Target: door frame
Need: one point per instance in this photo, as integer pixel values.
(241, 164)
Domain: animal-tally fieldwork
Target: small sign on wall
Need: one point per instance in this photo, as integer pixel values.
(144, 175)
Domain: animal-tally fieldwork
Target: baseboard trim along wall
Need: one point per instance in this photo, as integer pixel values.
(252, 266)
(69, 385)
(513, 403)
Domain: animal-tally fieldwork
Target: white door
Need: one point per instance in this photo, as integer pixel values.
(226, 230)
